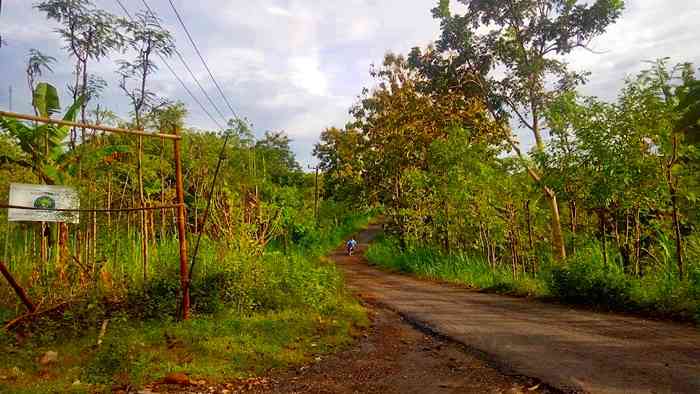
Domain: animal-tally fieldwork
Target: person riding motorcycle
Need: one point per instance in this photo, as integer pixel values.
(350, 246)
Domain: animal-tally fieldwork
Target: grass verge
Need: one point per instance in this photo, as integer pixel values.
(583, 280)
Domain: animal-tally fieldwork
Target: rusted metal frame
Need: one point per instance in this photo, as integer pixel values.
(182, 233)
(17, 288)
(88, 126)
(158, 208)
(180, 206)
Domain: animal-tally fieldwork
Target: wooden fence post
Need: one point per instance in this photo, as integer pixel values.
(182, 231)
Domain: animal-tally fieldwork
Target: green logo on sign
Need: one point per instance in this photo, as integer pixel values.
(45, 202)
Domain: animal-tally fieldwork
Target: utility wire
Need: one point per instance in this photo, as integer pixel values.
(196, 48)
(189, 70)
(162, 58)
(226, 138)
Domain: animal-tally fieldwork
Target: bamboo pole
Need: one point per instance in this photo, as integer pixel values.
(6, 206)
(89, 126)
(182, 232)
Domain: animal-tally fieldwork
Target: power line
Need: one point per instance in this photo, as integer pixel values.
(187, 67)
(211, 75)
(226, 137)
(162, 58)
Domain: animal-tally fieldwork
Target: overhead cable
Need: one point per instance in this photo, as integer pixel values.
(189, 70)
(199, 53)
(182, 83)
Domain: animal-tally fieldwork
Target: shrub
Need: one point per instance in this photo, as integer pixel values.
(158, 299)
(585, 279)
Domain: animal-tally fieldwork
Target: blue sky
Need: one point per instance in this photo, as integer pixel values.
(298, 65)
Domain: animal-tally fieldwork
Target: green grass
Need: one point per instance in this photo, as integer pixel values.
(582, 280)
(218, 348)
(252, 313)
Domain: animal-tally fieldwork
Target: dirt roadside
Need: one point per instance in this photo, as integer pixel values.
(394, 357)
(391, 357)
(572, 350)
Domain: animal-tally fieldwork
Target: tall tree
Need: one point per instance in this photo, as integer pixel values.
(147, 39)
(511, 50)
(89, 33)
(399, 122)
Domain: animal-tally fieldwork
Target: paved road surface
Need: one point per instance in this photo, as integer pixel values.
(573, 350)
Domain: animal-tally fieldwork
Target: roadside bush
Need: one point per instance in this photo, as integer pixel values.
(157, 299)
(586, 280)
(249, 283)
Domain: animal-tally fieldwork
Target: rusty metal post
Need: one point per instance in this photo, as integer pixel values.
(18, 289)
(316, 197)
(182, 232)
(315, 193)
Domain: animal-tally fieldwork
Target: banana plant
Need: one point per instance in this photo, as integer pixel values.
(43, 145)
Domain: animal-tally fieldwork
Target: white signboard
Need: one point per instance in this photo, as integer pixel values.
(46, 197)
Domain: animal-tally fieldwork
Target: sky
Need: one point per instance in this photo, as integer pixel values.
(298, 65)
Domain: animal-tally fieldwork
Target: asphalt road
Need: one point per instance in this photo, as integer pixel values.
(572, 350)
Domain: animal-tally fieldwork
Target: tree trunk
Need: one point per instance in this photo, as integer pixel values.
(447, 228)
(162, 190)
(573, 213)
(44, 242)
(529, 225)
(678, 236)
(557, 236)
(109, 200)
(604, 236)
(142, 200)
(94, 235)
(637, 243)
(672, 186)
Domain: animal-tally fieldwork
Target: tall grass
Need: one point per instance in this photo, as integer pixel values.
(462, 268)
(584, 279)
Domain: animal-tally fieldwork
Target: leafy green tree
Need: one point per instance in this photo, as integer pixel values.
(613, 158)
(341, 156)
(147, 39)
(524, 42)
(278, 161)
(398, 122)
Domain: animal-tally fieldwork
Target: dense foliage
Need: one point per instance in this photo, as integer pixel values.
(603, 209)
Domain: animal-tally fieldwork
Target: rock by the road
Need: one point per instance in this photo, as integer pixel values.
(49, 357)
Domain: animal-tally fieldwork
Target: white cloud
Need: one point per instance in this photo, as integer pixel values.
(279, 11)
(305, 73)
(297, 65)
(648, 30)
